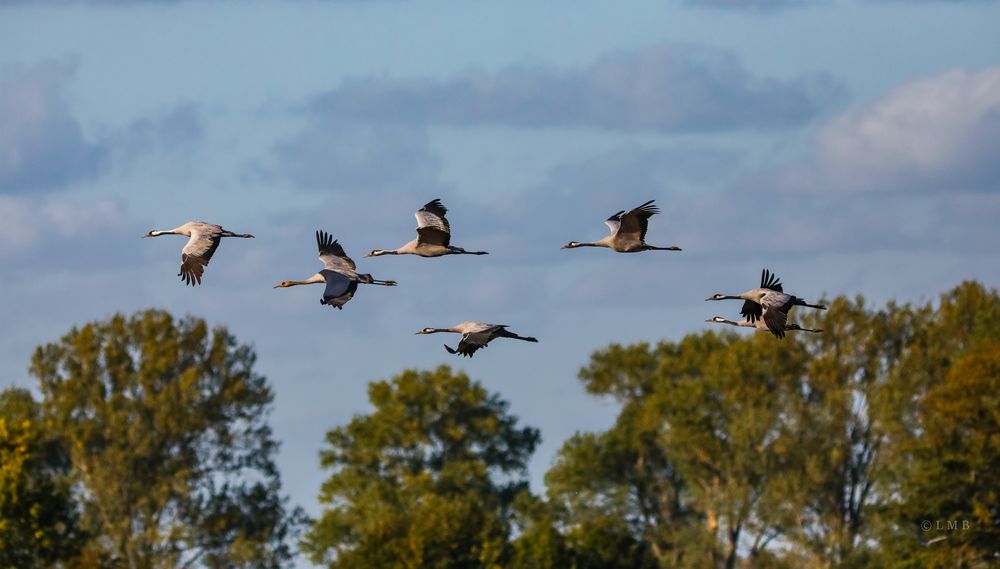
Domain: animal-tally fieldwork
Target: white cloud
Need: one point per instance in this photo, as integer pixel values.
(940, 133)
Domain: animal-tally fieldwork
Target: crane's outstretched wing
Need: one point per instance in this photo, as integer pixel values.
(634, 223)
(751, 311)
(432, 225)
(332, 254)
(614, 222)
(197, 253)
(339, 288)
(470, 343)
(770, 281)
(775, 313)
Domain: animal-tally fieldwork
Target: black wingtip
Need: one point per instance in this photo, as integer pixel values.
(447, 347)
(435, 206)
(649, 207)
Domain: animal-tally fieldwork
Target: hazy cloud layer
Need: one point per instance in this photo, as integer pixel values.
(752, 5)
(661, 88)
(344, 155)
(58, 232)
(42, 145)
(938, 133)
(172, 129)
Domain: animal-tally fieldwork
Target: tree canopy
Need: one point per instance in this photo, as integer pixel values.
(164, 424)
(39, 522)
(427, 479)
(821, 450)
(873, 444)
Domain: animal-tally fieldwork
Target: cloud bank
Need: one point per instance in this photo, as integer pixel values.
(936, 133)
(660, 88)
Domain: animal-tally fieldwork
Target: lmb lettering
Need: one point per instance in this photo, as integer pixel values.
(952, 525)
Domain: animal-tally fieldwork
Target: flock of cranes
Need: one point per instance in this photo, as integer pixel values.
(764, 308)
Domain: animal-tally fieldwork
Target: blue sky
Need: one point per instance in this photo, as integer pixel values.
(850, 146)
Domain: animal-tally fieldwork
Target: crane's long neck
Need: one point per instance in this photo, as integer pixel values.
(315, 279)
(378, 252)
(740, 324)
(242, 235)
(730, 297)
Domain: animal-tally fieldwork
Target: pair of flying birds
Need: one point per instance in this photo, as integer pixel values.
(339, 273)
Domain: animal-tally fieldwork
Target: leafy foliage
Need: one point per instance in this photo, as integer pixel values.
(874, 444)
(38, 519)
(164, 422)
(834, 446)
(427, 479)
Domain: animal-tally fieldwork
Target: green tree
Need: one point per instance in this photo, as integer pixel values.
(946, 458)
(164, 422)
(38, 519)
(835, 446)
(849, 409)
(694, 466)
(428, 479)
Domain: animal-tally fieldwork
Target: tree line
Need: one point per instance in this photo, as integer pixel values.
(873, 444)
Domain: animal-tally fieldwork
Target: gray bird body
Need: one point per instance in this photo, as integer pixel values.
(768, 303)
(628, 232)
(204, 240)
(476, 335)
(339, 273)
(433, 235)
